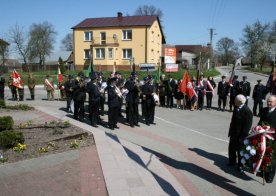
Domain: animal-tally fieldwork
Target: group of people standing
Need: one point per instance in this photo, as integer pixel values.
(118, 91)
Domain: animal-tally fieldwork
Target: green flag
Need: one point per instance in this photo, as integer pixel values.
(157, 75)
(89, 70)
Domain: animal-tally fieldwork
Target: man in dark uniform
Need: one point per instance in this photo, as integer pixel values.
(170, 89)
(245, 88)
(68, 86)
(114, 97)
(132, 100)
(234, 88)
(2, 86)
(259, 94)
(120, 84)
(222, 92)
(147, 91)
(240, 125)
(79, 96)
(201, 87)
(268, 116)
(94, 100)
(31, 85)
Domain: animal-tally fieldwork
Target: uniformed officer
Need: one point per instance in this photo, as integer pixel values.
(170, 89)
(79, 96)
(132, 100)
(234, 89)
(222, 92)
(147, 91)
(114, 96)
(101, 82)
(162, 90)
(31, 85)
(259, 94)
(245, 88)
(94, 100)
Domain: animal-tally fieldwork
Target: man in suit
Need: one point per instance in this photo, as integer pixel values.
(240, 125)
(222, 92)
(234, 88)
(268, 115)
(245, 88)
(170, 89)
(259, 94)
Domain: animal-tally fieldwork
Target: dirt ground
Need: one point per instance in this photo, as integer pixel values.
(48, 138)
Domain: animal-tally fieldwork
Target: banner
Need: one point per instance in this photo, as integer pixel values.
(17, 80)
(59, 76)
(186, 86)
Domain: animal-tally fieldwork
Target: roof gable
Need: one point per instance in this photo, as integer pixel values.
(120, 21)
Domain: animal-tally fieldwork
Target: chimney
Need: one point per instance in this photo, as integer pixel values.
(119, 14)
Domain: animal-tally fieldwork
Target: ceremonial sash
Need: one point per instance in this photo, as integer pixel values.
(210, 86)
(201, 85)
(47, 83)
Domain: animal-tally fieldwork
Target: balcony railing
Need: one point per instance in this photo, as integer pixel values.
(109, 41)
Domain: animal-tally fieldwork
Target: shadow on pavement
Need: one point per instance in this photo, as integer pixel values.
(165, 185)
(221, 162)
(205, 174)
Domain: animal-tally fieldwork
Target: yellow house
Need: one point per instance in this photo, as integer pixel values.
(117, 42)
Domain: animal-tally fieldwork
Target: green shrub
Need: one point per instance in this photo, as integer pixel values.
(2, 103)
(10, 138)
(6, 123)
(23, 107)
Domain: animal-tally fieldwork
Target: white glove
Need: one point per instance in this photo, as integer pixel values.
(263, 100)
(231, 85)
(247, 97)
(228, 95)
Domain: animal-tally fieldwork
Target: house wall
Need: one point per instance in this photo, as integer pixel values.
(146, 47)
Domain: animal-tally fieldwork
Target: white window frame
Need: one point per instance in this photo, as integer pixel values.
(85, 54)
(103, 41)
(110, 53)
(126, 35)
(90, 36)
(100, 53)
(125, 53)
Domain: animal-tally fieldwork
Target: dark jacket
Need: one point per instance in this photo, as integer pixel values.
(133, 91)
(268, 117)
(79, 93)
(170, 86)
(113, 98)
(223, 89)
(259, 93)
(235, 88)
(94, 93)
(241, 122)
(245, 88)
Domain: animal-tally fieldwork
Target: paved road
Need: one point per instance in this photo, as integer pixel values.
(191, 145)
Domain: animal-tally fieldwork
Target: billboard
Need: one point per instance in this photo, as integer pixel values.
(171, 67)
(170, 55)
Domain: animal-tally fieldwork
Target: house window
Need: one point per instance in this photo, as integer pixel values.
(100, 53)
(103, 38)
(87, 54)
(127, 34)
(110, 53)
(88, 35)
(127, 53)
(194, 61)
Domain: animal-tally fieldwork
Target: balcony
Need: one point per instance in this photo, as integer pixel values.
(108, 42)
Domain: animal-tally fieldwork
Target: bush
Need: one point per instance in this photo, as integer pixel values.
(6, 123)
(10, 138)
(2, 103)
(23, 107)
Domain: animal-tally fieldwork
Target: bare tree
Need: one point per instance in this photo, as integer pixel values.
(20, 39)
(42, 38)
(149, 10)
(227, 51)
(256, 42)
(4, 51)
(67, 42)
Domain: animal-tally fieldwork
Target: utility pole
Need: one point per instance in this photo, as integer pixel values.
(211, 36)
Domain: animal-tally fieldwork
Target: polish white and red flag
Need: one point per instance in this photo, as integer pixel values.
(59, 76)
(17, 80)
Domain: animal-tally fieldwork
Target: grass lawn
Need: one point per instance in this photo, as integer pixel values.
(266, 70)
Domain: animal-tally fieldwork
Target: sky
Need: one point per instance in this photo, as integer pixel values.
(186, 22)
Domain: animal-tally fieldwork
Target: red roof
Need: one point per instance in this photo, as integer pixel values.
(120, 21)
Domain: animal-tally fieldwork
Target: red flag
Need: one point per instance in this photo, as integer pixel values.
(17, 80)
(186, 86)
(60, 78)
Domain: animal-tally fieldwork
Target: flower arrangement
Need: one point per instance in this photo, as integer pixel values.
(256, 152)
